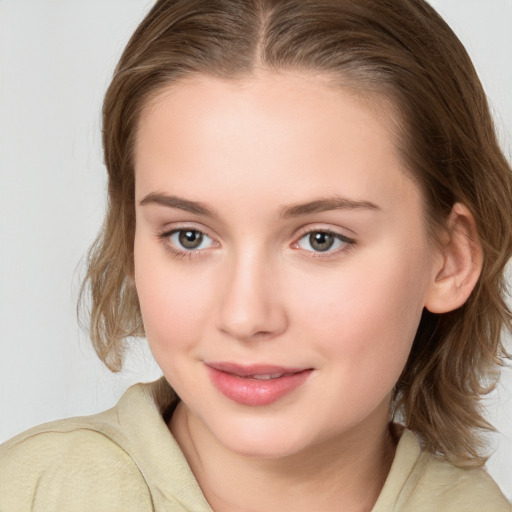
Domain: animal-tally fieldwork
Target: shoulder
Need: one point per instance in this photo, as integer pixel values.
(450, 488)
(69, 465)
(436, 485)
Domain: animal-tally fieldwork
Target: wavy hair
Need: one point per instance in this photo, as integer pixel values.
(401, 49)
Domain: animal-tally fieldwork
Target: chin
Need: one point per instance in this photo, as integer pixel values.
(275, 448)
(264, 440)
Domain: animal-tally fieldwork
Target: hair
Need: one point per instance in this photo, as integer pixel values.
(401, 49)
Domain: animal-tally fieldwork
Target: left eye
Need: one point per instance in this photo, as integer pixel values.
(190, 239)
(322, 241)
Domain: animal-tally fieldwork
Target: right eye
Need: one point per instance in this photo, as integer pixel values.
(185, 240)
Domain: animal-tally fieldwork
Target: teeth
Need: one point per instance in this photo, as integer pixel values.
(266, 376)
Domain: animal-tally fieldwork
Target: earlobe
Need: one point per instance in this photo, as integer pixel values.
(461, 259)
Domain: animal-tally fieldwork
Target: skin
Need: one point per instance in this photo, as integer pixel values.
(256, 291)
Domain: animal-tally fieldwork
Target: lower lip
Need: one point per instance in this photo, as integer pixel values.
(256, 392)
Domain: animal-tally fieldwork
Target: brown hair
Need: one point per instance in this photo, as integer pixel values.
(399, 48)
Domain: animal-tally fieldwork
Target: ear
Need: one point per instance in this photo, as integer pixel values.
(460, 263)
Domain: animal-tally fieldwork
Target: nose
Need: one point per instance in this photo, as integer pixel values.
(250, 306)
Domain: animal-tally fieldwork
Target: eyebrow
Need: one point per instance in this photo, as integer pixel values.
(322, 205)
(195, 207)
(296, 210)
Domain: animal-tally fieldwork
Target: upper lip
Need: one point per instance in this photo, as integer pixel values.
(244, 370)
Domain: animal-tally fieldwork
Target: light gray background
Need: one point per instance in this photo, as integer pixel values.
(56, 57)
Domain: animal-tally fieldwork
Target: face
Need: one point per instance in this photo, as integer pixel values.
(281, 258)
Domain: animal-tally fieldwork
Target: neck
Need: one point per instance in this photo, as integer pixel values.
(345, 472)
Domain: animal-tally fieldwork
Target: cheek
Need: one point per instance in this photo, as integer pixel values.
(172, 304)
(364, 325)
(368, 312)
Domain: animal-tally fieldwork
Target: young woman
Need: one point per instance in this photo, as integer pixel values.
(309, 218)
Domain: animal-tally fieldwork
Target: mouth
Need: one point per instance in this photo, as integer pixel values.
(256, 385)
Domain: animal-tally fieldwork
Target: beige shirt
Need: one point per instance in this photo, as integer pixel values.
(125, 459)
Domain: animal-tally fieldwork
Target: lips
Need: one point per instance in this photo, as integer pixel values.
(256, 385)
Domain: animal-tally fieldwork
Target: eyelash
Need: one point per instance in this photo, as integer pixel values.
(164, 237)
(348, 243)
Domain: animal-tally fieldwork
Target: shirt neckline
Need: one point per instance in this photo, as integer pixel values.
(141, 413)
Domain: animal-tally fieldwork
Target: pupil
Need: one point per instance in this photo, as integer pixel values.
(321, 241)
(190, 239)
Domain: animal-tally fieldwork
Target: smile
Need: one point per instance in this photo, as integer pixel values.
(256, 385)
(265, 376)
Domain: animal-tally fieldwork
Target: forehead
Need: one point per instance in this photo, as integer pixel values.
(280, 128)
(307, 92)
